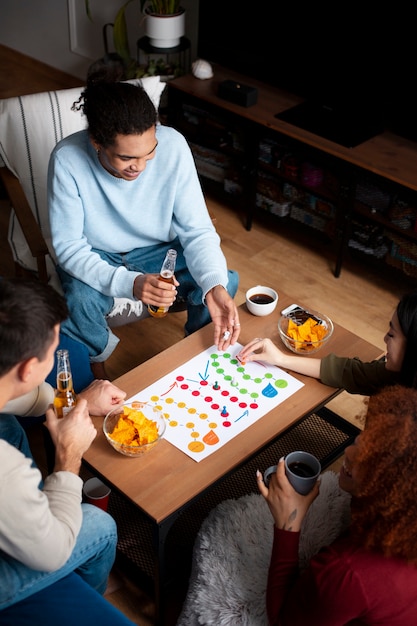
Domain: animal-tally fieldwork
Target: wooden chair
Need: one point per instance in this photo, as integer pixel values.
(30, 127)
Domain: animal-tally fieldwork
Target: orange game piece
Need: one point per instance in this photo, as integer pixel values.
(211, 438)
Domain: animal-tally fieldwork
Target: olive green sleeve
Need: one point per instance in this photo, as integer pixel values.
(354, 375)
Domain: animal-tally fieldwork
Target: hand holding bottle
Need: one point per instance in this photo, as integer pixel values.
(71, 436)
(166, 275)
(158, 291)
(150, 289)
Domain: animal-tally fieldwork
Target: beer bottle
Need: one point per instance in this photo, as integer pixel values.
(65, 398)
(167, 275)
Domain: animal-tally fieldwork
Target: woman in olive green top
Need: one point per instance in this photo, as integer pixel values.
(353, 375)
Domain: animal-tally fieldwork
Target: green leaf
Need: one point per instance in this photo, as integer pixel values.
(160, 7)
(120, 38)
(87, 10)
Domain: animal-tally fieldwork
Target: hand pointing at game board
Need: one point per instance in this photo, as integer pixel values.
(352, 374)
(265, 350)
(225, 317)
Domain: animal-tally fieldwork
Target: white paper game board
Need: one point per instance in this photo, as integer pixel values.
(213, 397)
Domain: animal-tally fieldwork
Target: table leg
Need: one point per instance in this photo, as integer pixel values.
(159, 536)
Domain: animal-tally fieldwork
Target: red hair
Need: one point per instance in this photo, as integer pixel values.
(384, 512)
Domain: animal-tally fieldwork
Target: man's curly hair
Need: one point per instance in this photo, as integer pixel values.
(115, 108)
(384, 512)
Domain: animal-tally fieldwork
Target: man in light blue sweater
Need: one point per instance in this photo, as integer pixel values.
(121, 194)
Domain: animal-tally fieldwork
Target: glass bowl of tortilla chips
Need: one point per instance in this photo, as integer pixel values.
(305, 334)
(135, 428)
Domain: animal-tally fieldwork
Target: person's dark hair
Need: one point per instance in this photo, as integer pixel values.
(407, 317)
(384, 512)
(115, 108)
(29, 311)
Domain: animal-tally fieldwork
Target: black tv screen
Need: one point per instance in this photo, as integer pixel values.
(352, 66)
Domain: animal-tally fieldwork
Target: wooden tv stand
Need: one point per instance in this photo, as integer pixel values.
(386, 162)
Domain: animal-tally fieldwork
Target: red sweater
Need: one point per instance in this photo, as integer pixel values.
(342, 585)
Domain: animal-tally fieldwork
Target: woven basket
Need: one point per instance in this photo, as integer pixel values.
(403, 255)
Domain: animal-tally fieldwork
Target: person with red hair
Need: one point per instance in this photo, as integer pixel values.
(368, 575)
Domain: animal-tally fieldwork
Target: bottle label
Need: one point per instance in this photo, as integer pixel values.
(154, 309)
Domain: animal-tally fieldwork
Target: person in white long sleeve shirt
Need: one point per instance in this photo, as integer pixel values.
(46, 533)
(120, 194)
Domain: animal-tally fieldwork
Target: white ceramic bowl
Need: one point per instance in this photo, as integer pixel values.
(152, 414)
(305, 347)
(261, 300)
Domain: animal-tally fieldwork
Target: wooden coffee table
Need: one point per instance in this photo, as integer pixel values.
(163, 483)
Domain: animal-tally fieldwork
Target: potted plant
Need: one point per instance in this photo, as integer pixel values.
(161, 7)
(159, 15)
(164, 22)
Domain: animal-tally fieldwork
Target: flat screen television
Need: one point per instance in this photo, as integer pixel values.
(354, 70)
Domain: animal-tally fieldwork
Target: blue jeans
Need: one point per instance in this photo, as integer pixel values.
(88, 307)
(12, 431)
(67, 602)
(93, 554)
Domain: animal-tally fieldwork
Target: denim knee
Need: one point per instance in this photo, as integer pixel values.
(94, 517)
(92, 558)
(65, 602)
(233, 284)
(95, 550)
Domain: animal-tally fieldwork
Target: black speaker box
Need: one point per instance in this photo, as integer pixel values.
(245, 95)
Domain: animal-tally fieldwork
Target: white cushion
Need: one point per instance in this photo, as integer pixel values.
(233, 549)
(30, 126)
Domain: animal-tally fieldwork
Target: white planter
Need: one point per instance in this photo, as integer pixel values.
(165, 31)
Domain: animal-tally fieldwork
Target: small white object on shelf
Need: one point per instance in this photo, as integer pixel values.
(202, 69)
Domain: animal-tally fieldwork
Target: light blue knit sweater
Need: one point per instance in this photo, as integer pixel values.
(90, 208)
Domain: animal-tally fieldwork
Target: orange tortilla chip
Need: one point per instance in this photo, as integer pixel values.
(306, 335)
(134, 429)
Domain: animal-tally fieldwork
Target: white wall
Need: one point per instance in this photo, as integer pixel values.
(59, 33)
